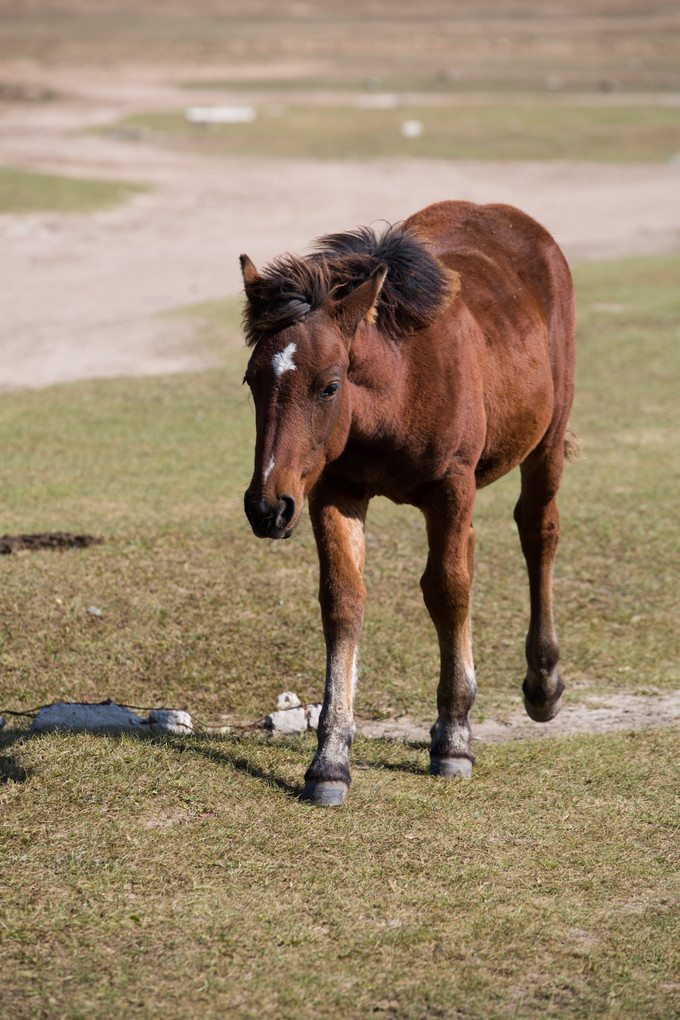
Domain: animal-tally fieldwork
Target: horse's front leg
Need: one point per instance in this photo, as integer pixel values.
(446, 587)
(338, 525)
(538, 521)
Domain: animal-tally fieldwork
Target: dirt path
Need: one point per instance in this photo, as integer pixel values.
(82, 294)
(595, 715)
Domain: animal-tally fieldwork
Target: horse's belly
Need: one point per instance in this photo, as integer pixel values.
(513, 432)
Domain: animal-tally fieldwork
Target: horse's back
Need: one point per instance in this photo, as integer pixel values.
(497, 228)
(514, 280)
(496, 240)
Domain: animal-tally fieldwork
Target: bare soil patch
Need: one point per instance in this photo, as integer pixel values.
(46, 540)
(594, 715)
(84, 295)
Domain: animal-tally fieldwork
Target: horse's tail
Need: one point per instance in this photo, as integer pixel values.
(572, 445)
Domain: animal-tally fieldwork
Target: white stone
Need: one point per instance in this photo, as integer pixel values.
(220, 114)
(378, 101)
(287, 700)
(77, 718)
(291, 716)
(165, 720)
(313, 713)
(290, 720)
(412, 129)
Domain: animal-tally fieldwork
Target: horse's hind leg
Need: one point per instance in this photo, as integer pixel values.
(538, 522)
(446, 589)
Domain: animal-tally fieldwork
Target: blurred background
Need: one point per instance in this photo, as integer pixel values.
(143, 146)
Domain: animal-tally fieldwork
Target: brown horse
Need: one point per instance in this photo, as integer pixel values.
(420, 364)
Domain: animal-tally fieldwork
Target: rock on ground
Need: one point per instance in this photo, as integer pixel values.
(291, 716)
(107, 717)
(78, 718)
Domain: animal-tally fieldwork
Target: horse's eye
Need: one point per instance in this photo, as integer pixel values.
(329, 391)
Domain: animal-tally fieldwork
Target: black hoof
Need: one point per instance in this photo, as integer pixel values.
(325, 794)
(540, 706)
(543, 713)
(451, 768)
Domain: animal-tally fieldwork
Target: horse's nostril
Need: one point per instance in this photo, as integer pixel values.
(268, 520)
(285, 511)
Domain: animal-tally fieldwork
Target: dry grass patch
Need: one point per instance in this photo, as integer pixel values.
(26, 191)
(183, 875)
(197, 614)
(489, 130)
(501, 46)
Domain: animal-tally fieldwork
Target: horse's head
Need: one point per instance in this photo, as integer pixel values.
(298, 378)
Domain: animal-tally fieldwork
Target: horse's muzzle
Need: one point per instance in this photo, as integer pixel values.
(271, 520)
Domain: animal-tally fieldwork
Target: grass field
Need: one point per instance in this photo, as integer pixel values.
(158, 468)
(25, 191)
(180, 878)
(536, 129)
(180, 875)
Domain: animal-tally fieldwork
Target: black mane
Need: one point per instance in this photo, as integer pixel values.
(289, 288)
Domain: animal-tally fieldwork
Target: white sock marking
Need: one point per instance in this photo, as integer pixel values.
(283, 361)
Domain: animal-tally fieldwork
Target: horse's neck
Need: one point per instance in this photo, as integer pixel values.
(376, 377)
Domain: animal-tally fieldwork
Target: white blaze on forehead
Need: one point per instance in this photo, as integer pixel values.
(283, 361)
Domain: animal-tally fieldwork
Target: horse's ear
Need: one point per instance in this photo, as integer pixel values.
(250, 273)
(360, 304)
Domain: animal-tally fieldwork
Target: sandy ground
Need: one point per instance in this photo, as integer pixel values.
(84, 295)
(595, 715)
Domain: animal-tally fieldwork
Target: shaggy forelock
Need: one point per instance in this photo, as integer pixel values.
(289, 288)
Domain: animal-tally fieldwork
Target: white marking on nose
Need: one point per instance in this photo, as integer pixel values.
(269, 469)
(283, 361)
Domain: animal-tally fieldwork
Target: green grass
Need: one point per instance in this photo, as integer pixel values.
(542, 131)
(618, 504)
(25, 191)
(158, 467)
(181, 876)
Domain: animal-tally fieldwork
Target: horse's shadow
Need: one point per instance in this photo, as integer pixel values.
(378, 762)
(228, 752)
(234, 758)
(10, 769)
(225, 749)
(362, 762)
